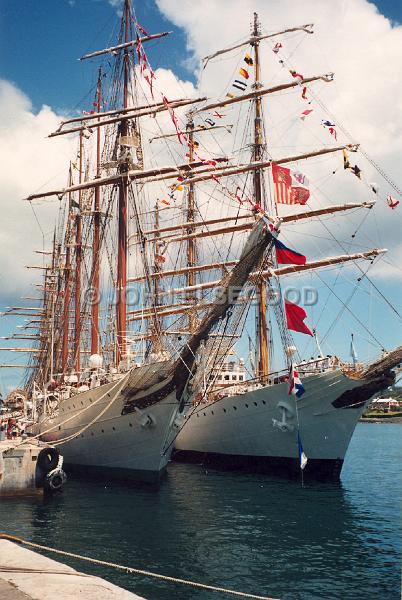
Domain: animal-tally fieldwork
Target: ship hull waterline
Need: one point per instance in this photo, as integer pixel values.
(258, 430)
(114, 443)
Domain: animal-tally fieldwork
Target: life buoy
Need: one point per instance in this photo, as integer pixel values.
(48, 459)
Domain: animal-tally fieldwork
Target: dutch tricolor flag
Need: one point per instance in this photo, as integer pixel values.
(295, 385)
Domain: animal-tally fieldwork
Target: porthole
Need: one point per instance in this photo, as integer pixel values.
(246, 405)
(224, 410)
(255, 404)
(204, 414)
(235, 408)
(263, 402)
(212, 412)
(114, 428)
(82, 404)
(130, 424)
(103, 431)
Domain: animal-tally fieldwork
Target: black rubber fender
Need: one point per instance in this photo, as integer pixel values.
(48, 459)
(54, 481)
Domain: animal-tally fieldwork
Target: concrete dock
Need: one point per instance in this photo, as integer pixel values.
(25, 467)
(26, 575)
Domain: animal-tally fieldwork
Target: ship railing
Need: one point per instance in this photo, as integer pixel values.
(306, 368)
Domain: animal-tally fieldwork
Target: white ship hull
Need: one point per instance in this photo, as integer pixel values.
(258, 429)
(132, 444)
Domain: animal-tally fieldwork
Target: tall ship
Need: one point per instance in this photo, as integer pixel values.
(250, 413)
(106, 379)
(165, 269)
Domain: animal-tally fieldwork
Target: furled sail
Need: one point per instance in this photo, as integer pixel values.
(259, 240)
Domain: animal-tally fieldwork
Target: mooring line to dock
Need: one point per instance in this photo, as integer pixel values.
(118, 383)
(212, 588)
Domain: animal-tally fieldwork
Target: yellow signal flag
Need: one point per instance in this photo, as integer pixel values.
(248, 60)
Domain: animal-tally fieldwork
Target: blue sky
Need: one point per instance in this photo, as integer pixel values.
(41, 41)
(48, 36)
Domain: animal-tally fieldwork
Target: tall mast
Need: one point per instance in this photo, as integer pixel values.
(52, 303)
(191, 257)
(121, 284)
(77, 275)
(67, 285)
(96, 233)
(263, 357)
(155, 325)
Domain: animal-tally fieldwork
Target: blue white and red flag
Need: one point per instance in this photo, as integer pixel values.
(287, 256)
(296, 387)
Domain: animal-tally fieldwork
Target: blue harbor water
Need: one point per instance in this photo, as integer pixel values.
(251, 533)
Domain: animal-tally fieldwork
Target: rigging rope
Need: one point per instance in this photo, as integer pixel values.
(131, 570)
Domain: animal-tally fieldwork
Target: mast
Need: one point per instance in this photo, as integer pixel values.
(96, 233)
(191, 253)
(155, 325)
(67, 290)
(121, 283)
(52, 307)
(77, 275)
(263, 357)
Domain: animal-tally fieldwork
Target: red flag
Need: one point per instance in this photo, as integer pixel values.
(291, 187)
(138, 26)
(295, 316)
(296, 75)
(332, 131)
(304, 93)
(173, 117)
(287, 256)
(392, 203)
(306, 113)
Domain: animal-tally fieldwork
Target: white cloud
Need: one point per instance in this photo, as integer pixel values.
(118, 5)
(352, 39)
(28, 162)
(362, 48)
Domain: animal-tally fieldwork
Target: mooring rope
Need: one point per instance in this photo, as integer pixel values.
(118, 383)
(212, 588)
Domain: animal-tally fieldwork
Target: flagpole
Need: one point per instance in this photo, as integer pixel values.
(353, 351)
(295, 383)
(318, 343)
